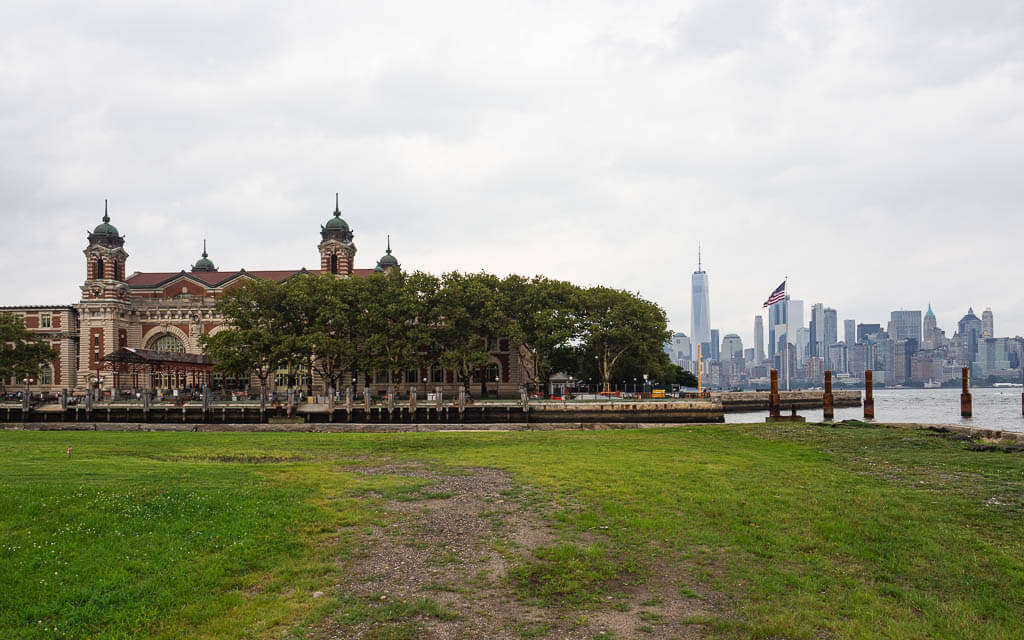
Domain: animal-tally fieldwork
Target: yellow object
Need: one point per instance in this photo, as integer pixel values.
(658, 393)
(309, 400)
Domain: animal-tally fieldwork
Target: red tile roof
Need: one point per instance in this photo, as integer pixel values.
(154, 279)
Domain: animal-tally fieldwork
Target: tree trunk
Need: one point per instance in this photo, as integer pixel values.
(263, 401)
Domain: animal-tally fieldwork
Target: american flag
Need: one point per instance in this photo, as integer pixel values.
(777, 296)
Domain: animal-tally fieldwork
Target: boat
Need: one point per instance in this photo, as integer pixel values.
(1008, 385)
(931, 384)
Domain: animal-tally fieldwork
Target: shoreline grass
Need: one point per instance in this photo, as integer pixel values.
(803, 531)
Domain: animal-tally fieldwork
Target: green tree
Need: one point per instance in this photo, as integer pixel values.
(470, 313)
(682, 377)
(327, 311)
(255, 342)
(395, 331)
(614, 323)
(22, 354)
(543, 317)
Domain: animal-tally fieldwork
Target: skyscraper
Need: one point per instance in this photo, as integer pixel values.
(831, 336)
(794, 318)
(969, 332)
(928, 326)
(907, 325)
(732, 347)
(850, 333)
(758, 339)
(987, 324)
(700, 312)
(816, 344)
(716, 351)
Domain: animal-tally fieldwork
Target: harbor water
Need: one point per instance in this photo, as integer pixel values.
(994, 408)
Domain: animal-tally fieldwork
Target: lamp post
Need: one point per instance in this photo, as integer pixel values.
(424, 388)
(634, 386)
(645, 384)
(26, 402)
(570, 389)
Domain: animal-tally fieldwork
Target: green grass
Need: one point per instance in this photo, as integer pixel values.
(804, 531)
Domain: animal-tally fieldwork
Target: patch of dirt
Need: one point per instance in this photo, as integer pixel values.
(455, 547)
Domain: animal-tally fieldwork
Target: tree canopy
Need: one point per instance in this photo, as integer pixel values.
(390, 323)
(22, 353)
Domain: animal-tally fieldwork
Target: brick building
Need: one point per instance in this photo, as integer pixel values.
(170, 311)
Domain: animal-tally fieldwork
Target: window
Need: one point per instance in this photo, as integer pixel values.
(493, 373)
(299, 378)
(492, 343)
(46, 374)
(166, 343)
(334, 263)
(436, 373)
(99, 269)
(412, 376)
(382, 376)
(44, 321)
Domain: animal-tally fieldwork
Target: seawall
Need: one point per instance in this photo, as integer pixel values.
(667, 412)
(758, 400)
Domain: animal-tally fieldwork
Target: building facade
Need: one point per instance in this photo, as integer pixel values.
(171, 311)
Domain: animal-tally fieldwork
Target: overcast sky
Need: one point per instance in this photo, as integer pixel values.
(870, 151)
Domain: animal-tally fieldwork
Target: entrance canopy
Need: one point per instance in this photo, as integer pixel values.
(129, 360)
(149, 364)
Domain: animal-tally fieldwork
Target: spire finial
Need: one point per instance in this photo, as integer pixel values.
(106, 217)
(337, 205)
(204, 249)
(389, 244)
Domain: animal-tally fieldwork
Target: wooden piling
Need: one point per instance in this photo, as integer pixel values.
(966, 405)
(828, 402)
(869, 397)
(774, 402)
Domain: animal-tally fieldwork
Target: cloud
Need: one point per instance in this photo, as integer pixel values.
(870, 151)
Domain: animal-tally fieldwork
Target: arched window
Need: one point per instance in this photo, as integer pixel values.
(45, 374)
(166, 343)
(334, 263)
(99, 268)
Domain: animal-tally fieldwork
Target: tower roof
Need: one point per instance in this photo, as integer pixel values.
(204, 263)
(336, 226)
(105, 233)
(928, 313)
(387, 260)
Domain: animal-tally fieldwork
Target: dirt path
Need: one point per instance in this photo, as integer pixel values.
(439, 570)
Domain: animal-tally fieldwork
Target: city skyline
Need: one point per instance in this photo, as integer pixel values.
(814, 142)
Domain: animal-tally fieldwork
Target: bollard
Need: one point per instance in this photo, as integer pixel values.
(349, 393)
(412, 405)
(966, 410)
(869, 398)
(437, 400)
(774, 402)
(462, 401)
(828, 406)
(524, 399)
(366, 402)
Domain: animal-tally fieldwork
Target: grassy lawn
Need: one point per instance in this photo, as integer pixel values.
(800, 531)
